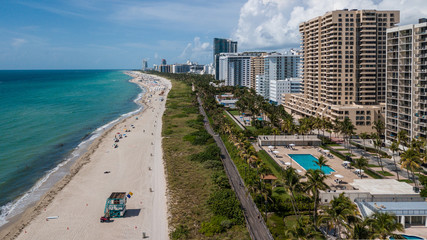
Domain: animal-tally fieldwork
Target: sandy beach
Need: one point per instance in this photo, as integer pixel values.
(136, 165)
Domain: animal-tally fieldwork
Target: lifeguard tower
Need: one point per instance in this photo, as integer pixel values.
(115, 207)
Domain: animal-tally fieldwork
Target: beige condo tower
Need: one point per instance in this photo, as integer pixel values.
(344, 67)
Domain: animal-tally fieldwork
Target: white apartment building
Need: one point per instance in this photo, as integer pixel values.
(279, 87)
(406, 103)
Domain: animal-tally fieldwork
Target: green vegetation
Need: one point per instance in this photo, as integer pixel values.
(385, 173)
(195, 174)
(371, 150)
(288, 204)
(277, 170)
(373, 174)
(234, 112)
(406, 180)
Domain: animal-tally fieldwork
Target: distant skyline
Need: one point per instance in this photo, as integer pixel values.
(107, 34)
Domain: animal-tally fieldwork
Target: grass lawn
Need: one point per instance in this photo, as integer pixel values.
(373, 165)
(275, 168)
(406, 180)
(252, 128)
(234, 112)
(385, 173)
(232, 120)
(373, 174)
(333, 145)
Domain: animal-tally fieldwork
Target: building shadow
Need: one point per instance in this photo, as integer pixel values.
(132, 212)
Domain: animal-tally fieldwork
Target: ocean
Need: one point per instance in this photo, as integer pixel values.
(48, 118)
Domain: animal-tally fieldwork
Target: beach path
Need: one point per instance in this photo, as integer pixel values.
(135, 166)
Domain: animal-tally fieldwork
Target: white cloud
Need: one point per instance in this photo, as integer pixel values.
(274, 23)
(196, 50)
(17, 42)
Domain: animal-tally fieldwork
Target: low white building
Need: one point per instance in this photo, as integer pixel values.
(279, 87)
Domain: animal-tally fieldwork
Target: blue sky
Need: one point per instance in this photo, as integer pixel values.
(81, 34)
(118, 34)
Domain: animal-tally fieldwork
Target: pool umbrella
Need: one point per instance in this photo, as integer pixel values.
(346, 162)
(299, 171)
(270, 147)
(326, 151)
(276, 152)
(292, 145)
(339, 176)
(287, 163)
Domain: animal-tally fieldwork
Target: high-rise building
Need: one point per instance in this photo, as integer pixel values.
(221, 45)
(276, 67)
(257, 69)
(144, 65)
(406, 107)
(344, 69)
(235, 68)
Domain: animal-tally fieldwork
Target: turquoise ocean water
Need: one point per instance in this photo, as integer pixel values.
(48, 118)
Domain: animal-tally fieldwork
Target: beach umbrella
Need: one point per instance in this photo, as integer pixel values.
(276, 152)
(270, 147)
(339, 176)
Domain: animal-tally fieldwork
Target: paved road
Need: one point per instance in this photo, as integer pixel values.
(254, 221)
(387, 163)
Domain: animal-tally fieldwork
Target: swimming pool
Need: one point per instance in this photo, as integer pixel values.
(308, 161)
(407, 237)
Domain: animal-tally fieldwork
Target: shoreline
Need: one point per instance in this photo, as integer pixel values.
(48, 181)
(13, 228)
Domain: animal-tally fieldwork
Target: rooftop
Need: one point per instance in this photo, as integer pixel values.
(400, 208)
(382, 186)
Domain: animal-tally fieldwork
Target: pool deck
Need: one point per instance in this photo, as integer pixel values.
(335, 163)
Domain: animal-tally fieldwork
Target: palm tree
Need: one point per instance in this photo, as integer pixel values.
(303, 127)
(360, 231)
(292, 184)
(364, 136)
(394, 148)
(383, 224)
(322, 162)
(303, 230)
(377, 144)
(379, 127)
(410, 159)
(402, 137)
(339, 212)
(275, 132)
(360, 163)
(347, 128)
(336, 126)
(315, 182)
